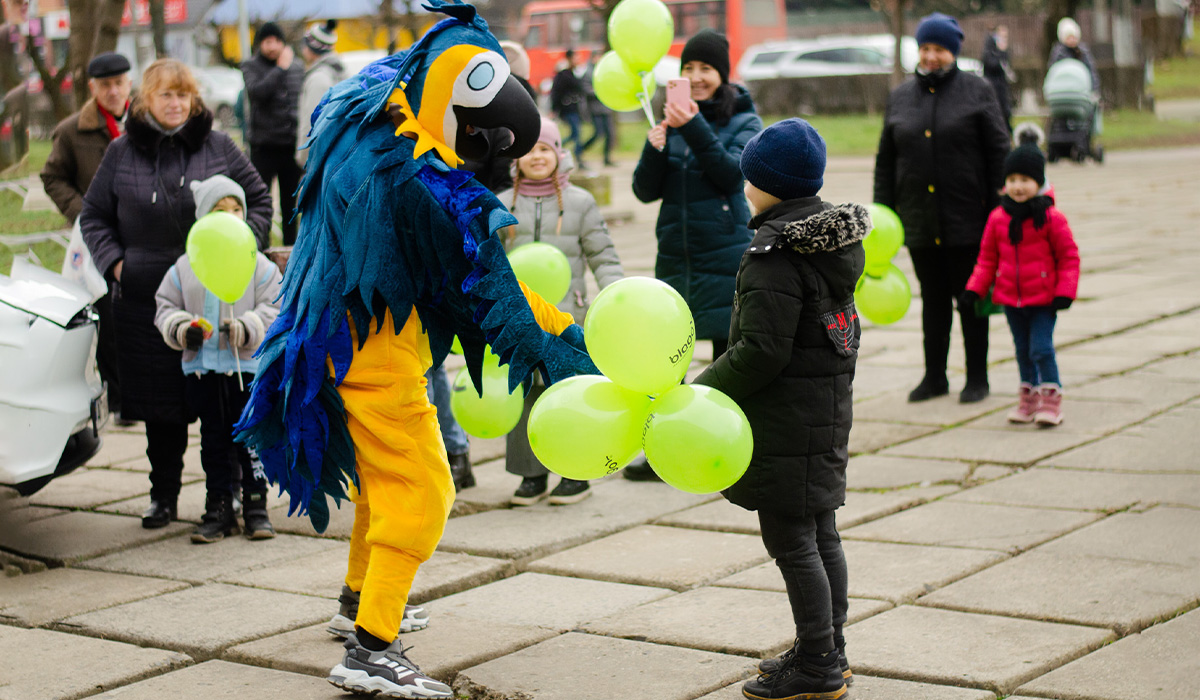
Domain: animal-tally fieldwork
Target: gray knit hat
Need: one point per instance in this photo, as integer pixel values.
(208, 192)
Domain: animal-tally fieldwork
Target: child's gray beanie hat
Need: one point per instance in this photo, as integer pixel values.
(208, 192)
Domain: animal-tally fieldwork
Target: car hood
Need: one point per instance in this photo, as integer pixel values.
(40, 292)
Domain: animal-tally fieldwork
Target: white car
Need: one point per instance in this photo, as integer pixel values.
(845, 55)
(220, 87)
(762, 61)
(354, 61)
(52, 401)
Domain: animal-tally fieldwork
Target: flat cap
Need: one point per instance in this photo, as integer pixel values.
(107, 65)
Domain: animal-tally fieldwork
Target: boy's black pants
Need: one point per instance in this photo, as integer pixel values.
(280, 161)
(943, 273)
(218, 401)
(808, 552)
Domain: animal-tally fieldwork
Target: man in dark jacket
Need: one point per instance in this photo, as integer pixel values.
(566, 99)
(80, 141)
(274, 82)
(940, 166)
(793, 345)
(998, 71)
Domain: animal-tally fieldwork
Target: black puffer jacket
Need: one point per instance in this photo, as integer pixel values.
(274, 95)
(941, 158)
(702, 223)
(793, 345)
(139, 209)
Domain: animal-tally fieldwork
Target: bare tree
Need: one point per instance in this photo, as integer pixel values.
(893, 11)
(95, 26)
(158, 27)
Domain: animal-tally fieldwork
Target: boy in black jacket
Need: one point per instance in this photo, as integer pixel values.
(793, 343)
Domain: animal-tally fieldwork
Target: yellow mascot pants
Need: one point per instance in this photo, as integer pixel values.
(405, 489)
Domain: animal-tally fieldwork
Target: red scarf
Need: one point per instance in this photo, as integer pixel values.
(114, 127)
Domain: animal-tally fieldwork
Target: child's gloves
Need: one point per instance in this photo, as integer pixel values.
(237, 333)
(1061, 303)
(192, 335)
(967, 299)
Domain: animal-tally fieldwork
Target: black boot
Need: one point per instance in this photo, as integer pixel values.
(976, 389)
(160, 513)
(254, 512)
(639, 470)
(807, 676)
(218, 520)
(460, 471)
(931, 386)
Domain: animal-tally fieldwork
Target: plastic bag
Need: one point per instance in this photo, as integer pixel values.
(79, 268)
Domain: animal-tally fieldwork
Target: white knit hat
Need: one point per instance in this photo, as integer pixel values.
(208, 192)
(1068, 27)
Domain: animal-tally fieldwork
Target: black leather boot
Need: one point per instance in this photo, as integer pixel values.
(460, 471)
(160, 514)
(218, 520)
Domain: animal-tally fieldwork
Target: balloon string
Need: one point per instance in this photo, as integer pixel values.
(237, 361)
(644, 98)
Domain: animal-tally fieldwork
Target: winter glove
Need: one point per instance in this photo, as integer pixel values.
(1061, 303)
(236, 331)
(967, 299)
(191, 336)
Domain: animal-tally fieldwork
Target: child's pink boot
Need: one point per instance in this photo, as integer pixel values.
(1028, 407)
(1049, 412)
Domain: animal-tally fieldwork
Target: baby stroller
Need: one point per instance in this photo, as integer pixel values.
(1074, 112)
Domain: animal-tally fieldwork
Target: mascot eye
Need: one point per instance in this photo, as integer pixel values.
(481, 76)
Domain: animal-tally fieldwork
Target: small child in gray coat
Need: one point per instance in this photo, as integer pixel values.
(220, 366)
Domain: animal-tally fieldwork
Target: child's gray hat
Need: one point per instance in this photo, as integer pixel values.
(208, 192)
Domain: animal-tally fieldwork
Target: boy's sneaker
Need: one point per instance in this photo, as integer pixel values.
(1028, 406)
(388, 673)
(774, 664)
(254, 515)
(531, 490)
(569, 491)
(1049, 411)
(800, 677)
(342, 625)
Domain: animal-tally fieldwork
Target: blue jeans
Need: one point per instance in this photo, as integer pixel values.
(438, 387)
(575, 136)
(1033, 335)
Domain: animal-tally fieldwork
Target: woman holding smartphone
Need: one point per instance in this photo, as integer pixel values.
(690, 162)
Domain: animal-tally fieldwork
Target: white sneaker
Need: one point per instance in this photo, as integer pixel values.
(388, 673)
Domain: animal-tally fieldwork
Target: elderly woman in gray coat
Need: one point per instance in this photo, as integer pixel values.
(549, 209)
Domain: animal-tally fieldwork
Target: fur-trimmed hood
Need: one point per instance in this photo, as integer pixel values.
(146, 137)
(810, 225)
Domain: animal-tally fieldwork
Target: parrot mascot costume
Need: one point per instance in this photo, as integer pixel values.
(397, 253)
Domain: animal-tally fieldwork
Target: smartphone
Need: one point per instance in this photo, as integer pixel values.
(679, 92)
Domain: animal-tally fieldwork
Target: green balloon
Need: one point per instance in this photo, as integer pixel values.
(544, 269)
(617, 86)
(456, 346)
(223, 254)
(883, 299)
(640, 334)
(641, 31)
(697, 439)
(586, 427)
(495, 413)
(884, 240)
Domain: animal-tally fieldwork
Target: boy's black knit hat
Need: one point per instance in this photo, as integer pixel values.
(786, 160)
(268, 29)
(711, 47)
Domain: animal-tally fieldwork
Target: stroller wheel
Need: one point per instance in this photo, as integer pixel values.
(1078, 154)
(1099, 154)
(1052, 155)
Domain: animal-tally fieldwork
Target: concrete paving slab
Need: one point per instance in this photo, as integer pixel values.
(341, 522)
(1161, 663)
(720, 515)
(575, 601)
(940, 412)
(1161, 535)
(871, 688)
(544, 529)
(1075, 361)
(1168, 443)
(1120, 594)
(874, 380)
(993, 446)
(1085, 417)
(651, 555)
(1146, 343)
(878, 472)
(73, 537)
(898, 573)
(191, 459)
(36, 599)
(869, 436)
(865, 506)
(990, 472)
(1141, 386)
(1178, 368)
(447, 646)
(221, 680)
(492, 490)
(119, 447)
(202, 621)
(178, 558)
(584, 667)
(189, 507)
(33, 666)
(965, 649)
(1046, 487)
(978, 526)
(88, 488)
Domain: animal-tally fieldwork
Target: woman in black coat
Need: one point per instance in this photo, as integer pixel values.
(940, 167)
(690, 162)
(135, 221)
(997, 70)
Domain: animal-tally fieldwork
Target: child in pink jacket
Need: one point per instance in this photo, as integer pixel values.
(1030, 256)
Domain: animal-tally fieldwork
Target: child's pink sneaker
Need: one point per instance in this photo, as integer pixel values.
(1049, 410)
(1028, 407)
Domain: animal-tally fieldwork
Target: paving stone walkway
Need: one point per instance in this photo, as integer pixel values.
(986, 560)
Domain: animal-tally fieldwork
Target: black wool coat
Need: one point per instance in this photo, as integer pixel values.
(940, 163)
(793, 345)
(274, 95)
(701, 225)
(139, 209)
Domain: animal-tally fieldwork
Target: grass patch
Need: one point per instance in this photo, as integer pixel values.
(14, 221)
(39, 151)
(1179, 77)
(49, 253)
(1127, 129)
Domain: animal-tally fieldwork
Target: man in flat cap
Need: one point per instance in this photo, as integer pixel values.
(274, 80)
(79, 142)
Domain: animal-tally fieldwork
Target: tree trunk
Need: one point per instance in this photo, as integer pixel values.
(79, 45)
(158, 27)
(897, 7)
(51, 84)
(107, 16)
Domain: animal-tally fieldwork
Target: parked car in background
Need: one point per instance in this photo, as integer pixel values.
(762, 61)
(835, 55)
(219, 88)
(354, 61)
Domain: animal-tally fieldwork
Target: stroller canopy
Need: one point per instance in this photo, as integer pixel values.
(1067, 77)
